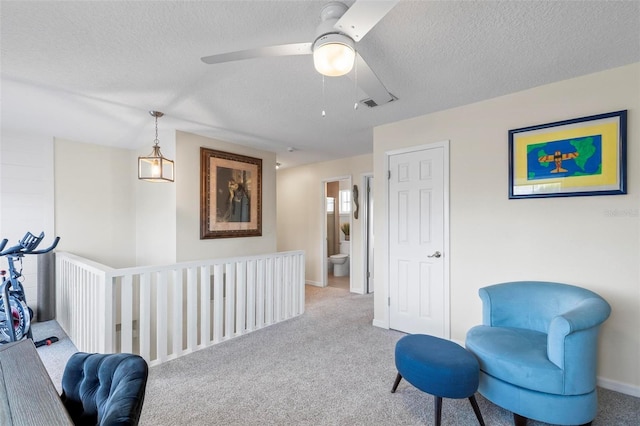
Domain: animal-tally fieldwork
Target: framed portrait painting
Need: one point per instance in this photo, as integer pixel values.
(582, 156)
(230, 195)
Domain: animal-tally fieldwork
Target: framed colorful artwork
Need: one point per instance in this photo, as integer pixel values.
(582, 156)
(230, 195)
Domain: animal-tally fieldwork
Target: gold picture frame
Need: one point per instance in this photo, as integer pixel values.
(230, 195)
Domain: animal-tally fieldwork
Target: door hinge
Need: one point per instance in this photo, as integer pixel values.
(389, 174)
(388, 301)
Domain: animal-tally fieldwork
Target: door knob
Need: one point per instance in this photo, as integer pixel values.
(436, 255)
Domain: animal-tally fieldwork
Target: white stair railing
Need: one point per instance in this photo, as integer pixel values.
(164, 312)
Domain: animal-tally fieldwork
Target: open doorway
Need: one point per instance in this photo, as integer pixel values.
(336, 258)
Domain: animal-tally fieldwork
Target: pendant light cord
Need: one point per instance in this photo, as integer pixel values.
(156, 140)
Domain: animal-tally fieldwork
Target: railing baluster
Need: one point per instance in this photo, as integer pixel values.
(286, 284)
(109, 324)
(176, 327)
(126, 314)
(241, 297)
(268, 309)
(260, 273)
(161, 316)
(229, 295)
(192, 309)
(205, 305)
(82, 311)
(144, 325)
(246, 294)
(277, 294)
(218, 303)
(301, 282)
(251, 295)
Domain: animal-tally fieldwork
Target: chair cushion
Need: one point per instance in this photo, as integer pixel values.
(516, 356)
(437, 366)
(104, 389)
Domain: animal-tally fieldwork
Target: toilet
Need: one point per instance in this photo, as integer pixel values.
(341, 261)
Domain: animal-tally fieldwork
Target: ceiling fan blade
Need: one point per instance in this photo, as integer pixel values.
(261, 52)
(369, 82)
(362, 16)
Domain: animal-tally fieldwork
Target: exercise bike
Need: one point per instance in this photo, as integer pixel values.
(15, 314)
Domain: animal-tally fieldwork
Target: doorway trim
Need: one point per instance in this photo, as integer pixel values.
(323, 239)
(446, 223)
(364, 215)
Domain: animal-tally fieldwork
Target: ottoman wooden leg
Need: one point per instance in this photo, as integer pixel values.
(476, 409)
(519, 420)
(438, 409)
(396, 383)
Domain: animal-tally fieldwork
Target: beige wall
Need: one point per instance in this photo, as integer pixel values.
(115, 219)
(189, 246)
(494, 239)
(94, 204)
(301, 213)
(155, 209)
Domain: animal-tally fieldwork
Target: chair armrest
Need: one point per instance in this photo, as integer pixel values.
(590, 313)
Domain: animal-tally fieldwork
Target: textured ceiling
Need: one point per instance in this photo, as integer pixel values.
(90, 70)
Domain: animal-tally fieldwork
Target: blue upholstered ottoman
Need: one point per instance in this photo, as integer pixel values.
(438, 367)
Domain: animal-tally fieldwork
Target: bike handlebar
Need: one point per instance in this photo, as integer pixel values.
(3, 243)
(47, 250)
(27, 245)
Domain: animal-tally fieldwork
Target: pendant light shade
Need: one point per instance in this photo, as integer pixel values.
(155, 167)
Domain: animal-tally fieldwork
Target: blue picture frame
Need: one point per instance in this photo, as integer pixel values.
(578, 157)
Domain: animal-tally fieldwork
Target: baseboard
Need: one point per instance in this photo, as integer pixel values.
(313, 283)
(616, 386)
(461, 343)
(381, 324)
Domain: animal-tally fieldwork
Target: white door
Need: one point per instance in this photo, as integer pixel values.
(417, 302)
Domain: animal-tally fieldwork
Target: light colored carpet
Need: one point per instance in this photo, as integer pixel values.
(329, 366)
(53, 357)
(338, 282)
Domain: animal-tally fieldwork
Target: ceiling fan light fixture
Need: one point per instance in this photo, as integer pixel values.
(333, 55)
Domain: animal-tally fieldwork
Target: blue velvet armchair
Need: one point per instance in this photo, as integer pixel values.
(537, 350)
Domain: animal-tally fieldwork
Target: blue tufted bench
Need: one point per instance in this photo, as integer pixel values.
(104, 389)
(438, 367)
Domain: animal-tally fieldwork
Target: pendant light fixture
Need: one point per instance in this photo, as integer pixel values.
(154, 167)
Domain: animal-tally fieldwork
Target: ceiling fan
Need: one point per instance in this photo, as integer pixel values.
(333, 50)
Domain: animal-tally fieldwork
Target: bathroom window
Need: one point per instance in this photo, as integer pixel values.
(330, 204)
(345, 201)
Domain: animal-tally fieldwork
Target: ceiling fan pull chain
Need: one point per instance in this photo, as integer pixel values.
(355, 85)
(324, 114)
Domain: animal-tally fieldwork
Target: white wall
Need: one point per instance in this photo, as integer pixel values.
(577, 240)
(189, 246)
(301, 213)
(26, 196)
(94, 204)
